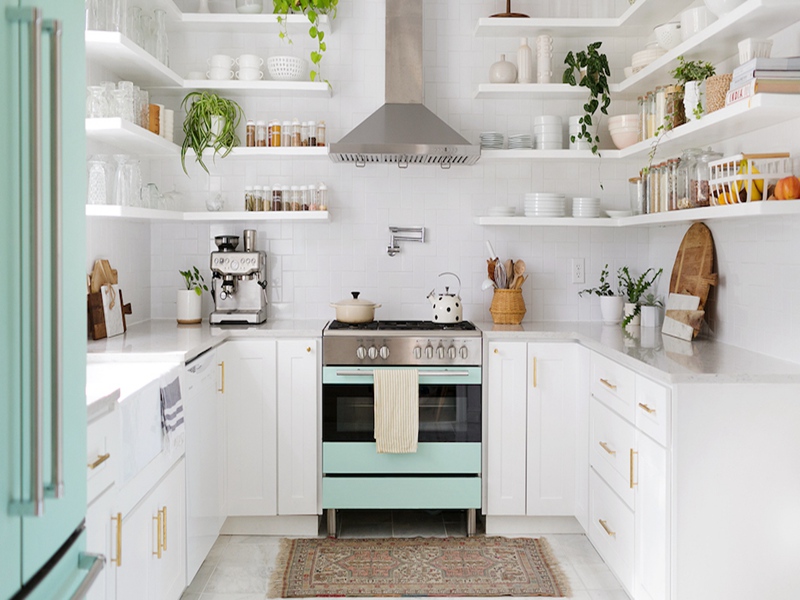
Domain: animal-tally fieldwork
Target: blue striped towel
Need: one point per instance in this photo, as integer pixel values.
(171, 407)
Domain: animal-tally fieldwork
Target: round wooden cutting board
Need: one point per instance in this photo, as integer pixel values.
(693, 271)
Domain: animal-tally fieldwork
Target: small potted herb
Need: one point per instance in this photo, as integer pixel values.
(610, 300)
(190, 300)
(633, 290)
(651, 306)
(690, 75)
(594, 73)
(210, 122)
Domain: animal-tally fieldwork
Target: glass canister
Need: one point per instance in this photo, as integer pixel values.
(296, 137)
(249, 199)
(286, 134)
(637, 195)
(304, 134)
(322, 197)
(642, 118)
(675, 115)
(660, 110)
(261, 133)
(672, 198)
(266, 204)
(701, 175)
(650, 115)
(321, 131)
(683, 184)
(258, 193)
(277, 198)
(663, 199)
(653, 189)
(287, 199)
(275, 134)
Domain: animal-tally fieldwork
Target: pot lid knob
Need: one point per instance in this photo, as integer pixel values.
(355, 295)
(446, 291)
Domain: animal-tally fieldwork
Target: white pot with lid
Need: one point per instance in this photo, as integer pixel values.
(447, 307)
(355, 310)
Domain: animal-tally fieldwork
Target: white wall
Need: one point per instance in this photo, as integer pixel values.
(313, 264)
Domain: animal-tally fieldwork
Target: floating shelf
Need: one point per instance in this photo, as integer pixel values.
(532, 154)
(240, 23)
(710, 213)
(259, 152)
(546, 91)
(298, 89)
(130, 213)
(117, 53)
(128, 138)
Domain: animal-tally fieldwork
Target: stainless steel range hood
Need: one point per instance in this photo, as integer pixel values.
(403, 131)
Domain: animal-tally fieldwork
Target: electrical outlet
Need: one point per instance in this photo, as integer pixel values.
(578, 271)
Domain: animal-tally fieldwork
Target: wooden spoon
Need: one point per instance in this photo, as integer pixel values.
(490, 264)
(519, 267)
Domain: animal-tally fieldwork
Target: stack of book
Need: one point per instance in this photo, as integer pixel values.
(765, 75)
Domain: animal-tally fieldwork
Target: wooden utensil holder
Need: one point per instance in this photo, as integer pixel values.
(508, 307)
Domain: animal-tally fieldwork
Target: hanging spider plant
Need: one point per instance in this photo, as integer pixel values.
(210, 122)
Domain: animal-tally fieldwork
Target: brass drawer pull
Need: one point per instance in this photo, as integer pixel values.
(609, 385)
(632, 482)
(605, 447)
(221, 366)
(157, 519)
(647, 409)
(535, 374)
(604, 525)
(100, 460)
(118, 560)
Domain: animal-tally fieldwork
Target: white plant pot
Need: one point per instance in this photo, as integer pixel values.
(651, 316)
(628, 310)
(190, 307)
(611, 308)
(217, 125)
(692, 96)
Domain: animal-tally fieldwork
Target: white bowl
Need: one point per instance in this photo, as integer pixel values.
(752, 48)
(721, 7)
(668, 35)
(624, 118)
(695, 20)
(286, 68)
(623, 139)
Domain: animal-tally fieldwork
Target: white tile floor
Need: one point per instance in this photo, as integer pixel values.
(239, 567)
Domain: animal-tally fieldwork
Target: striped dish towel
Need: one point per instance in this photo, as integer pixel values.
(172, 411)
(396, 410)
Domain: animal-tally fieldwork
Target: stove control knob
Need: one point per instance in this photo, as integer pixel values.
(361, 352)
(417, 352)
(384, 352)
(372, 352)
(451, 352)
(428, 351)
(464, 352)
(440, 351)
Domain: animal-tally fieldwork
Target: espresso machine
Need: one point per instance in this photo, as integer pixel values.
(238, 281)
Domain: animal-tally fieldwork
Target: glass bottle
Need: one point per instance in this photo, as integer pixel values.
(160, 33)
(321, 133)
(249, 198)
(296, 137)
(251, 134)
(322, 197)
(286, 133)
(261, 134)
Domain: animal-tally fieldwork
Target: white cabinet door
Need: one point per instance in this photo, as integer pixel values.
(101, 535)
(135, 573)
(169, 502)
(650, 520)
(249, 393)
(551, 421)
(506, 428)
(298, 435)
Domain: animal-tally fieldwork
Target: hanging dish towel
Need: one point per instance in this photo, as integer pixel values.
(396, 410)
(172, 411)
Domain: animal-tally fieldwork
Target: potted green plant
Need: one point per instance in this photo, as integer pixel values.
(190, 300)
(311, 9)
(633, 290)
(210, 122)
(594, 72)
(651, 306)
(690, 74)
(610, 299)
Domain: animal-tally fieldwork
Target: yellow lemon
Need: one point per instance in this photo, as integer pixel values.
(754, 187)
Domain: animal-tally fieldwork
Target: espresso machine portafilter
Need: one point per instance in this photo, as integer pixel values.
(238, 281)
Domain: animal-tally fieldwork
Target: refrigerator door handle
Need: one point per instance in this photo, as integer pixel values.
(33, 17)
(93, 564)
(54, 28)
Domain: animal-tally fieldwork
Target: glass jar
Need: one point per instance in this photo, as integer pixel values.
(322, 197)
(660, 110)
(96, 103)
(637, 195)
(266, 199)
(683, 183)
(321, 133)
(675, 116)
(287, 200)
(296, 134)
(286, 133)
(99, 171)
(312, 134)
(672, 197)
(663, 195)
(652, 189)
(261, 134)
(249, 199)
(277, 198)
(642, 118)
(700, 188)
(650, 115)
(275, 134)
(251, 134)
(304, 198)
(258, 193)
(304, 134)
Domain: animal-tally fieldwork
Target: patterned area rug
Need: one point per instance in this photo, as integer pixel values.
(477, 566)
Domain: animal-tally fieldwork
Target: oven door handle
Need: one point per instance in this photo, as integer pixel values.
(370, 372)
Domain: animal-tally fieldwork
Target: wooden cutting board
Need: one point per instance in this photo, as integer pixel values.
(693, 271)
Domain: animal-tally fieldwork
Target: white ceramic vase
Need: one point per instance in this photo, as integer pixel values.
(628, 311)
(524, 62)
(502, 71)
(189, 307)
(692, 96)
(611, 308)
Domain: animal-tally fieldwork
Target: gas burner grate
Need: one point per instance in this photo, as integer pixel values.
(425, 326)
(353, 326)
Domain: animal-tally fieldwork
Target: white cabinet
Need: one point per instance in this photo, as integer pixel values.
(651, 517)
(249, 392)
(531, 439)
(101, 535)
(298, 432)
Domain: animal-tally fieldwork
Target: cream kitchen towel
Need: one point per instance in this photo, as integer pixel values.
(396, 410)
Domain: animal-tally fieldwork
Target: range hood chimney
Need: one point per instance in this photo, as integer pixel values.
(403, 131)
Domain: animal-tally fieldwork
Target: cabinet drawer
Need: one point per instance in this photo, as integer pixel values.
(611, 529)
(652, 409)
(102, 454)
(611, 440)
(614, 385)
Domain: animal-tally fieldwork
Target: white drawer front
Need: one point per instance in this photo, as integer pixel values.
(652, 409)
(614, 385)
(611, 440)
(102, 454)
(611, 529)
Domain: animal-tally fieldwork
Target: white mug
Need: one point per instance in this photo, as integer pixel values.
(249, 61)
(221, 61)
(195, 75)
(219, 74)
(249, 74)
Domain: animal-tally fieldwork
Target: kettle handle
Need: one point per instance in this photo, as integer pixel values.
(458, 293)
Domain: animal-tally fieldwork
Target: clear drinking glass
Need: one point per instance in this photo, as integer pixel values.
(144, 109)
(134, 25)
(99, 179)
(160, 33)
(149, 34)
(95, 15)
(117, 15)
(127, 181)
(96, 103)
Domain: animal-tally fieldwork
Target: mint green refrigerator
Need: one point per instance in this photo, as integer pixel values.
(43, 308)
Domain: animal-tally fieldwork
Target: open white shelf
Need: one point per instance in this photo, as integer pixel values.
(546, 91)
(241, 23)
(117, 53)
(130, 213)
(298, 89)
(533, 154)
(269, 152)
(772, 208)
(128, 138)
(641, 16)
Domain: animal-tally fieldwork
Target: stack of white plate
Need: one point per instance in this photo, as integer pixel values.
(641, 59)
(586, 208)
(491, 139)
(544, 204)
(520, 140)
(574, 130)
(548, 133)
(502, 211)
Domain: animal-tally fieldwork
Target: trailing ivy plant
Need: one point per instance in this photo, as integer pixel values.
(311, 9)
(693, 70)
(197, 126)
(634, 289)
(595, 79)
(194, 280)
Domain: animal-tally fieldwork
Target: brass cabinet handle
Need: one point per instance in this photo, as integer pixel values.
(308, 349)
(221, 389)
(604, 525)
(496, 351)
(609, 385)
(118, 560)
(647, 409)
(157, 519)
(605, 447)
(164, 526)
(101, 458)
(534, 372)
(632, 482)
